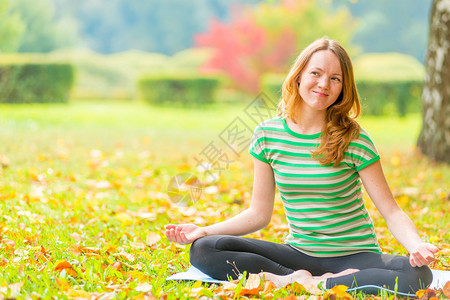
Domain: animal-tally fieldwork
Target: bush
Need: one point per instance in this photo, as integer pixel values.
(271, 84)
(383, 97)
(182, 90)
(35, 82)
(389, 82)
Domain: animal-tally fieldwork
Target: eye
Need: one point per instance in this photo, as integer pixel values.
(336, 79)
(314, 73)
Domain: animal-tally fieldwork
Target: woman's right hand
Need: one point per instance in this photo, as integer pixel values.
(184, 233)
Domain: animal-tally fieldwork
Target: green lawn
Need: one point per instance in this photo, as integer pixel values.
(83, 194)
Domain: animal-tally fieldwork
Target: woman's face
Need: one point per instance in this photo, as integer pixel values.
(321, 81)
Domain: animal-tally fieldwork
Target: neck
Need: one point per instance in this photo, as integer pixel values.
(309, 122)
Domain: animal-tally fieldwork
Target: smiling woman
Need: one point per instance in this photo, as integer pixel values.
(317, 156)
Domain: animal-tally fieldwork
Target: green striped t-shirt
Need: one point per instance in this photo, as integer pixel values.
(324, 204)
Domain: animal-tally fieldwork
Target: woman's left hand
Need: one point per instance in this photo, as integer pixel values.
(422, 255)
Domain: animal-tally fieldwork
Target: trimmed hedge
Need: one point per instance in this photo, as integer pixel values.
(35, 82)
(383, 97)
(185, 90)
(378, 97)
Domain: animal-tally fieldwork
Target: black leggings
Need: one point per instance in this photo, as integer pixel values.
(218, 256)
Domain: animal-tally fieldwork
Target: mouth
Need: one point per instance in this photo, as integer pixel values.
(320, 94)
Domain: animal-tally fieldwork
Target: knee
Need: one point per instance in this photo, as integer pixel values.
(424, 277)
(200, 249)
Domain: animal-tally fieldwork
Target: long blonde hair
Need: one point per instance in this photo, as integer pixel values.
(340, 122)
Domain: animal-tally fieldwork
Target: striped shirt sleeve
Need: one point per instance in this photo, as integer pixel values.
(362, 151)
(257, 145)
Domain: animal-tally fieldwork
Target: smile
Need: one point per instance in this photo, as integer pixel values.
(320, 94)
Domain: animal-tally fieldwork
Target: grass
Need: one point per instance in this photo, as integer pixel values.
(83, 195)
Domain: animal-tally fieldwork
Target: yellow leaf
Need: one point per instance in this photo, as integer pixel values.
(338, 292)
(63, 284)
(78, 293)
(197, 284)
(124, 217)
(298, 288)
(196, 292)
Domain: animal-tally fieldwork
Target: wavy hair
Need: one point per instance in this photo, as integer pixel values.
(340, 126)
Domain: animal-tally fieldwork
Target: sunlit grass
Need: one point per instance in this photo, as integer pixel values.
(96, 174)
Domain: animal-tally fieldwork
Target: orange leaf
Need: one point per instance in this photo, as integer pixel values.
(63, 284)
(152, 238)
(87, 250)
(62, 264)
(65, 265)
(269, 286)
(252, 286)
(249, 292)
(425, 294)
(446, 289)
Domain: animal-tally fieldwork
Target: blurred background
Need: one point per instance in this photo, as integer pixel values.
(211, 50)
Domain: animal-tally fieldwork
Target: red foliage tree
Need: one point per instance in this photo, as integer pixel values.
(244, 50)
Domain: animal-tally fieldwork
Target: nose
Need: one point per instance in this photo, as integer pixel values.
(323, 82)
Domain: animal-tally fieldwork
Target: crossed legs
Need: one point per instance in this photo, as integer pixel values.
(222, 257)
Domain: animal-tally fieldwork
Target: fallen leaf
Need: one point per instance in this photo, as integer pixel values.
(62, 264)
(446, 289)
(90, 250)
(338, 292)
(65, 265)
(139, 246)
(63, 284)
(124, 217)
(144, 287)
(117, 265)
(14, 289)
(298, 288)
(269, 286)
(152, 238)
(77, 237)
(425, 294)
(126, 256)
(252, 286)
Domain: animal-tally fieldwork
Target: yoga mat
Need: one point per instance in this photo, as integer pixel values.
(439, 278)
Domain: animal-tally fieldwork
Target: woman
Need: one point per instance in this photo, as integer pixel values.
(318, 157)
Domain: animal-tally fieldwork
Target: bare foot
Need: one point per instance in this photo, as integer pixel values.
(303, 277)
(345, 272)
(300, 276)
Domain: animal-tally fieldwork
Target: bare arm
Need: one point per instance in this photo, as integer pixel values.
(254, 218)
(398, 222)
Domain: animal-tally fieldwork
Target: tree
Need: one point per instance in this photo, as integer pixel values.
(43, 32)
(11, 28)
(391, 26)
(434, 139)
(165, 26)
(265, 38)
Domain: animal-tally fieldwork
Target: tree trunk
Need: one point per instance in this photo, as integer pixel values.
(434, 138)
